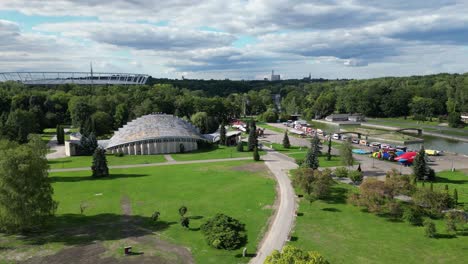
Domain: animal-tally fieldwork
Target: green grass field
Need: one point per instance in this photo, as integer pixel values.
(456, 179)
(48, 134)
(345, 234)
(86, 161)
(296, 152)
(240, 189)
(221, 152)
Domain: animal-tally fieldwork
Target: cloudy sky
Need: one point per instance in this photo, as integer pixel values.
(236, 39)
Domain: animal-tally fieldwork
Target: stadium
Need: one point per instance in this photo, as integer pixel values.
(155, 134)
(80, 78)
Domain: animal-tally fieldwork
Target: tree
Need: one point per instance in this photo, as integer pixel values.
(346, 153)
(222, 134)
(454, 119)
(313, 153)
(80, 110)
(455, 196)
(256, 155)
(429, 229)
(433, 202)
(291, 254)
(26, 193)
(88, 144)
(329, 156)
(224, 232)
(269, 116)
(20, 124)
(121, 115)
(253, 141)
(102, 123)
(99, 166)
(200, 120)
(355, 176)
(314, 183)
(413, 215)
(60, 135)
(286, 143)
(420, 167)
(240, 146)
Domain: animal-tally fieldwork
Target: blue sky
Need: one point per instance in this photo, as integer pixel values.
(238, 39)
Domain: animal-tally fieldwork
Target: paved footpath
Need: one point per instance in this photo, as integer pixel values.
(284, 217)
(153, 164)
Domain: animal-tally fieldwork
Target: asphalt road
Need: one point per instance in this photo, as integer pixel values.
(284, 217)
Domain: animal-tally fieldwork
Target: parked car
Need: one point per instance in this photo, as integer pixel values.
(344, 137)
(375, 144)
(385, 146)
(355, 141)
(336, 136)
(363, 142)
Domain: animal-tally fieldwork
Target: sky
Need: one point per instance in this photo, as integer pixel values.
(236, 39)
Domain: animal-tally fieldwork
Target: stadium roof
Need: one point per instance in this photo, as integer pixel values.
(88, 78)
(154, 126)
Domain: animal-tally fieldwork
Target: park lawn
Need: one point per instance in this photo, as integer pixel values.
(456, 179)
(86, 161)
(220, 152)
(324, 163)
(241, 189)
(280, 148)
(270, 127)
(345, 234)
(48, 134)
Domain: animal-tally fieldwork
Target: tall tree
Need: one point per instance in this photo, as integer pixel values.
(329, 156)
(420, 168)
(60, 133)
(253, 141)
(346, 153)
(312, 157)
(121, 115)
(286, 143)
(222, 134)
(88, 144)
(99, 166)
(25, 191)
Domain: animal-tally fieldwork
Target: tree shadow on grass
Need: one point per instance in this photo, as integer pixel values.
(75, 229)
(446, 180)
(79, 179)
(337, 195)
(58, 161)
(446, 236)
(195, 217)
(331, 209)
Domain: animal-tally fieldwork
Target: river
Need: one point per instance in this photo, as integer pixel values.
(430, 142)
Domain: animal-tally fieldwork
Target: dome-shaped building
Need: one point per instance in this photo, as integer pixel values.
(155, 134)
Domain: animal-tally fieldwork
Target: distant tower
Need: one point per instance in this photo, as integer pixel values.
(310, 76)
(274, 77)
(91, 68)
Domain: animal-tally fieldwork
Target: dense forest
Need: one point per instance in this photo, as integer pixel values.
(27, 109)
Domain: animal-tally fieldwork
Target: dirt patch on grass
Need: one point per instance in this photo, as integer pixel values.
(91, 243)
(252, 167)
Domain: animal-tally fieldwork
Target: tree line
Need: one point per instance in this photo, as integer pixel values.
(26, 109)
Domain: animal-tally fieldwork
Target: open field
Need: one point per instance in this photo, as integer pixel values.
(296, 153)
(220, 152)
(345, 234)
(118, 210)
(86, 161)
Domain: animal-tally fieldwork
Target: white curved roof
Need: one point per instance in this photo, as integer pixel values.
(154, 126)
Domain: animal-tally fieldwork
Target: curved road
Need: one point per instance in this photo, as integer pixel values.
(283, 221)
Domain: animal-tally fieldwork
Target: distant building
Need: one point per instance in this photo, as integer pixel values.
(345, 118)
(464, 118)
(307, 78)
(275, 77)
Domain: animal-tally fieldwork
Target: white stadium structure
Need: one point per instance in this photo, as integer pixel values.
(155, 134)
(82, 78)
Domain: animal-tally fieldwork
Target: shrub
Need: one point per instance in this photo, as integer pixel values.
(341, 172)
(394, 209)
(299, 162)
(240, 146)
(429, 228)
(373, 195)
(413, 216)
(155, 216)
(433, 202)
(355, 176)
(292, 254)
(224, 232)
(119, 154)
(184, 222)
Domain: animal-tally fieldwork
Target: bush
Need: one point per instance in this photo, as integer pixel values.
(119, 154)
(413, 216)
(394, 209)
(240, 146)
(292, 254)
(341, 172)
(155, 216)
(269, 116)
(299, 162)
(429, 228)
(433, 202)
(355, 176)
(224, 232)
